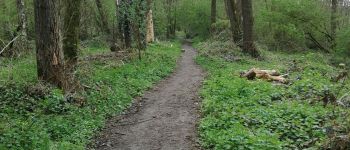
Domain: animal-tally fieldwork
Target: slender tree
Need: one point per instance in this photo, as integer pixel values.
(117, 36)
(104, 25)
(19, 36)
(150, 27)
(6, 22)
(334, 22)
(49, 54)
(22, 23)
(213, 15)
(231, 11)
(71, 31)
(103, 17)
(124, 21)
(171, 18)
(139, 21)
(248, 24)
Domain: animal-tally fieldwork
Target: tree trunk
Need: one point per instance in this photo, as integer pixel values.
(124, 22)
(20, 33)
(103, 17)
(238, 9)
(50, 64)
(22, 24)
(71, 31)
(105, 25)
(171, 26)
(116, 29)
(6, 23)
(268, 9)
(127, 34)
(137, 26)
(213, 15)
(231, 10)
(150, 26)
(334, 23)
(22, 19)
(248, 24)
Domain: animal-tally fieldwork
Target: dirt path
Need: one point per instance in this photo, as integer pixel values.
(164, 118)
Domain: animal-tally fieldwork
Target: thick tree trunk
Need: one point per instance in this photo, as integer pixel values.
(334, 23)
(238, 9)
(150, 26)
(231, 10)
(71, 31)
(248, 24)
(50, 64)
(213, 15)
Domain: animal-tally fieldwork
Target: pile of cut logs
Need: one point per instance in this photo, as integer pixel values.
(268, 75)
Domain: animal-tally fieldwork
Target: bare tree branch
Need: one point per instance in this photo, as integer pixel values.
(8, 44)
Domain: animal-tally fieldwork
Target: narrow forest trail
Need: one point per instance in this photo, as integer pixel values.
(164, 118)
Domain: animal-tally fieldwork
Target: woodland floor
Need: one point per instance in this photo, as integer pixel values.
(164, 118)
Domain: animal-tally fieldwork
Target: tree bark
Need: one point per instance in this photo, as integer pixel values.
(171, 11)
(22, 17)
(105, 26)
(150, 26)
(6, 23)
(103, 17)
(71, 31)
(234, 17)
(136, 26)
(238, 9)
(124, 22)
(248, 24)
(334, 23)
(116, 29)
(20, 33)
(50, 64)
(213, 15)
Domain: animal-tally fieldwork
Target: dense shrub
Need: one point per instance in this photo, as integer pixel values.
(286, 25)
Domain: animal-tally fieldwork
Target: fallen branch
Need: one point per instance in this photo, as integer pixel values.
(269, 75)
(91, 88)
(318, 44)
(342, 101)
(13, 40)
(2, 42)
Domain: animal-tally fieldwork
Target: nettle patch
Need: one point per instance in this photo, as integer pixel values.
(255, 114)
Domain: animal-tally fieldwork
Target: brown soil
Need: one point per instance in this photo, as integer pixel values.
(164, 118)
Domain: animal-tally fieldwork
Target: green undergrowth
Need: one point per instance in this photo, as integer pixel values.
(33, 116)
(243, 114)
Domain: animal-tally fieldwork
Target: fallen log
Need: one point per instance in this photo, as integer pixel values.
(268, 75)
